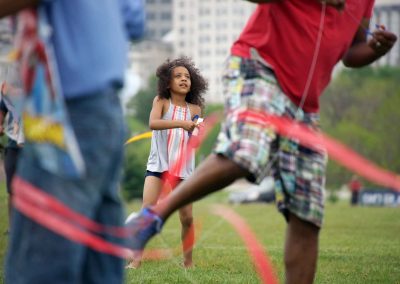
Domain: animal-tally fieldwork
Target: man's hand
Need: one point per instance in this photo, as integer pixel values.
(382, 41)
(337, 4)
(363, 52)
(10, 7)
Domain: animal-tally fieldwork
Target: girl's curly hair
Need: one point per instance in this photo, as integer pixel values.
(198, 84)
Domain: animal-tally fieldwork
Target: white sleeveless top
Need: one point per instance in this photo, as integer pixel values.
(169, 144)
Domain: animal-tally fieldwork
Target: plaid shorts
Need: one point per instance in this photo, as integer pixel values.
(299, 172)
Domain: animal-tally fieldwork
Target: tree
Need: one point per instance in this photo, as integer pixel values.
(140, 105)
(360, 108)
(138, 111)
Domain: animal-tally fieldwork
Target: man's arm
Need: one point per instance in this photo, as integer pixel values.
(363, 52)
(10, 7)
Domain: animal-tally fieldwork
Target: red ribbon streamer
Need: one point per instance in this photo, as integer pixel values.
(256, 251)
(45, 201)
(54, 215)
(320, 141)
(40, 207)
(66, 229)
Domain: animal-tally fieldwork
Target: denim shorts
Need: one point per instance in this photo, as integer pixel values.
(299, 172)
(160, 175)
(37, 255)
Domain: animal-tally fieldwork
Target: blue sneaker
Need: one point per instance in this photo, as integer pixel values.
(143, 227)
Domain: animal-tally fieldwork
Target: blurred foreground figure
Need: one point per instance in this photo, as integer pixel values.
(90, 40)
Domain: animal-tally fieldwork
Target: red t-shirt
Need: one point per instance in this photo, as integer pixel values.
(355, 186)
(285, 35)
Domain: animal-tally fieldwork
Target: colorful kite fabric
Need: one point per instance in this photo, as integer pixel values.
(46, 124)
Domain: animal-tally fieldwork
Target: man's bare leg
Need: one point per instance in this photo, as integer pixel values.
(301, 251)
(215, 173)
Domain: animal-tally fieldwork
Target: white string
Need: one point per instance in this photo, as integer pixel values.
(308, 82)
(314, 59)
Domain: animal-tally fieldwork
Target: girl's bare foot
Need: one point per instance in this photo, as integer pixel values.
(187, 264)
(133, 264)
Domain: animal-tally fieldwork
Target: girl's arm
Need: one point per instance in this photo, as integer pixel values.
(157, 123)
(195, 110)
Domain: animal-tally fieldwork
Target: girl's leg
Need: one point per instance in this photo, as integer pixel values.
(186, 218)
(151, 192)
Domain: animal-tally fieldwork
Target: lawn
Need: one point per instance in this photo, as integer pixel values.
(358, 245)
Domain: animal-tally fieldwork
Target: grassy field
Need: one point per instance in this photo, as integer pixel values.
(358, 245)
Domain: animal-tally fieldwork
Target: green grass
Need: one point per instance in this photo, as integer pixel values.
(358, 245)
(3, 227)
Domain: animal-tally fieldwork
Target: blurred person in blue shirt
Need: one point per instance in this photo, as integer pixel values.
(90, 40)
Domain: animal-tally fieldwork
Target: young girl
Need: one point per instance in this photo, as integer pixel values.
(178, 102)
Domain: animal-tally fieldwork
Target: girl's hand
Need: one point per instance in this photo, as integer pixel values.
(200, 126)
(188, 125)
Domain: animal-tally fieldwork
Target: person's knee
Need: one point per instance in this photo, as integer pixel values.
(186, 221)
(302, 239)
(301, 229)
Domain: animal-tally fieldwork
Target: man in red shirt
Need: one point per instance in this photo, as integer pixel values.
(280, 65)
(355, 188)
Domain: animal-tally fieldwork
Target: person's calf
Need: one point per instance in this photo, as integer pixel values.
(301, 251)
(188, 240)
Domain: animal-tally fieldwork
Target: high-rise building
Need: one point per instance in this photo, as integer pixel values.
(387, 13)
(204, 30)
(147, 54)
(5, 47)
(158, 18)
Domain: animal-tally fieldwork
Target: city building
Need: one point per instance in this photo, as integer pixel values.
(204, 30)
(387, 13)
(5, 47)
(158, 18)
(146, 55)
